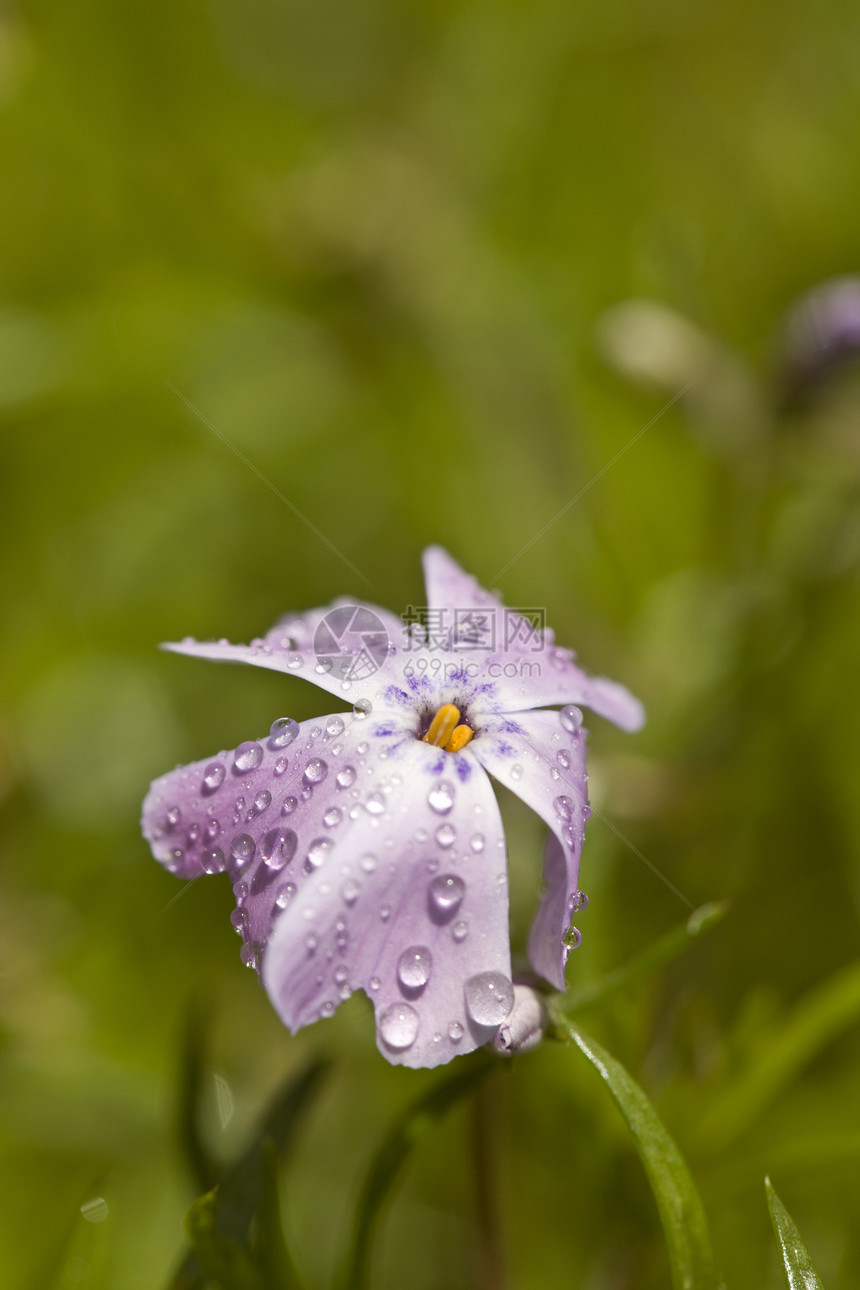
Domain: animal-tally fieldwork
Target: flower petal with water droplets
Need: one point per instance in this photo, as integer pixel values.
(412, 928)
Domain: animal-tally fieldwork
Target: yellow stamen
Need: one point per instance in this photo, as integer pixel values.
(445, 733)
(442, 726)
(459, 738)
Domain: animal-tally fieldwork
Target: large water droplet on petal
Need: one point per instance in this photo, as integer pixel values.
(213, 778)
(242, 850)
(441, 797)
(455, 1031)
(247, 756)
(516, 771)
(318, 852)
(334, 727)
(571, 718)
(346, 777)
(489, 998)
(285, 895)
(362, 708)
(413, 967)
(290, 804)
(316, 770)
(563, 758)
(446, 894)
(375, 804)
(332, 817)
(251, 954)
(398, 1026)
(278, 847)
(213, 860)
(460, 931)
(446, 835)
(283, 732)
(563, 808)
(577, 902)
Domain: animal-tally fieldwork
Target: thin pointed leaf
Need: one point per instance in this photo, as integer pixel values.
(221, 1259)
(405, 1134)
(678, 1202)
(271, 1254)
(800, 1273)
(239, 1194)
(191, 1082)
(818, 1018)
(662, 951)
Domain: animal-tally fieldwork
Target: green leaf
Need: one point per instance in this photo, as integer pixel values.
(191, 1082)
(800, 1273)
(221, 1259)
(405, 1134)
(662, 951)
(240, 1192)
(818, 1018)
(272, 1257)
(678, 1201)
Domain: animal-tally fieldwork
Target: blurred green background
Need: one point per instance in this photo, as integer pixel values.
(389, 250)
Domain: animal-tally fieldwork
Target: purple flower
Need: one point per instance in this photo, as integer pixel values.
(366, 848)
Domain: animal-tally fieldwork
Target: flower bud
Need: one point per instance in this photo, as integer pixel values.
(524, 1027)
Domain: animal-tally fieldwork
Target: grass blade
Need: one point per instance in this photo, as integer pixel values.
(405, 1134)
(678, 1202)
(800, 1273)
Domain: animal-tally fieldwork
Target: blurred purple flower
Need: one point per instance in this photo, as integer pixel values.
(366, 848)
(821, 332)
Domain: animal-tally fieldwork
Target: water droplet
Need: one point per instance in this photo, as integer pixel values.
(261, 801)
(455, 1031)
(571, 718)
(242, 851)
(281, 765)
(283, 732)
(516, 771)
(239, 918)
(213, 860)
(316, 770)
(310, 942)
(290, 804)
(213, 777)
(563, 758)
(460, 931)
(385, 912)
(572, 939)
(278, 847)
(240, 891)
(251, 954)
(334, 727)
(341, 974)
(318, 852)
(441, 797)
(294, 662)
(413, 967)
(553, 773)
(346, 777)
(213, 828)
(577, 902)
(563, 808)
(327, 1009)
(285, 895)
(446, 835)
(174, 815)
(432, 866)
(247, 756)
(332, 817)
(489, 998)
(350, 891)
(374, 983)
(398, 1026)
(307, 792)
(477, 843)
(375, 804)
(446, 894)
(362, 708)
(176, 857)
(95, 1210)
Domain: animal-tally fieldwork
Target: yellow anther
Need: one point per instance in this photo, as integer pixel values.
(442, 726)
(445, 733)
(459, 738)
